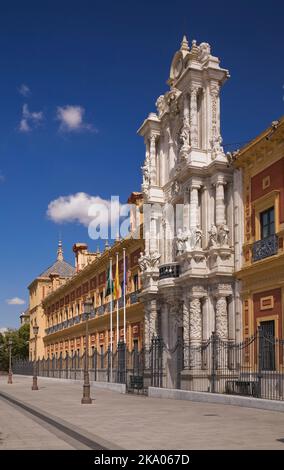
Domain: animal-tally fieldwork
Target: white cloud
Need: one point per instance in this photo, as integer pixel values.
(15, 301)
(29, 119)
(74, 208)
(24, 90)
(71, 119)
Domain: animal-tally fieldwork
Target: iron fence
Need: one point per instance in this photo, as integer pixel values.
(254, 367)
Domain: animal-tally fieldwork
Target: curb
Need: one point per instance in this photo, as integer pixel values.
(248, 402)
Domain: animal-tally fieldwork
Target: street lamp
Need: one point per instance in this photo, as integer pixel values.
(86, 399)
(35, 332)
(10, 374)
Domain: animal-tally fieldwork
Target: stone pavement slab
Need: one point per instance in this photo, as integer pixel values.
(139, 422)
(18, 431)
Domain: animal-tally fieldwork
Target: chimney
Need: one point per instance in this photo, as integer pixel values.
(81, 254)
(55, 281)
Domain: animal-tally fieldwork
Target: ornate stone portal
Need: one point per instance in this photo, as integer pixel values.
(189, 246)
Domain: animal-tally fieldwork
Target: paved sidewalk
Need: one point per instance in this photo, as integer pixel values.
(138, 422)
(18, 431)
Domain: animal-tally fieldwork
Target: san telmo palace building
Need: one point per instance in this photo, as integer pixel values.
(58, 294)
(219, 274)
(262, 274)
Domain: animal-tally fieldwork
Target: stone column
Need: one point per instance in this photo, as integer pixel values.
(193, 205)
(215, 119)
(153, 152)
(153, 234)
(171, 156)
(193, 117)
(153, 318)
(185, 321)
(220, 203)
(186, 208)
(205, 319)
(165, 323)
(195, 332)
(221, 317)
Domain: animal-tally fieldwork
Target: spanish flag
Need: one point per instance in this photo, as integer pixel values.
(116, 280)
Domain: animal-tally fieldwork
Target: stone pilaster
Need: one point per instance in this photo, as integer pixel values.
(185, 321)
(186, 209)
(220, 202)
(153, 158)
(195, 321)
(193, 205)
(193, 117)
(221, 317)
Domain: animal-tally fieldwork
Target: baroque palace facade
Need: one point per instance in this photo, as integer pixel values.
(262, 272)
(211, 258)
(58, 294)
(189, 289)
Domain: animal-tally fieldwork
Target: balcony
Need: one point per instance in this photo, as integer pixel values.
(134, 297)
(101, 310)
(265, 248)
(169, 270)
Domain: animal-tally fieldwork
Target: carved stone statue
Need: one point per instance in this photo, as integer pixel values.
(187, 238)
(223, 234)
(204, 51)
(213, 236)
(161, 105)
(184, 136)
(146, 172)
(180, 242)
(149, 262)
(197, 237)
(175, 188)
(153, 259)
(142, 262)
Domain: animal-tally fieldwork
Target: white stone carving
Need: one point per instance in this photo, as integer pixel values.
(161, 105)
(221, 317)
(195, 324)
(223, 234)
(204, 52)
(149, 261)
(197, 237)
(213, 232)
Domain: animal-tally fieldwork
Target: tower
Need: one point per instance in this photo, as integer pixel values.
(187, 268)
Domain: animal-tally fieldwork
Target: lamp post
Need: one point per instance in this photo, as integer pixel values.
(10, 374)
(35, 332)
(86, 399)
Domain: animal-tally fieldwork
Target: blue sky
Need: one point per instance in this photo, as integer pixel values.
(109, 61)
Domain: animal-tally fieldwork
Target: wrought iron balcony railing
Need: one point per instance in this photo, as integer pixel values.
(264, 248)
(169, 270)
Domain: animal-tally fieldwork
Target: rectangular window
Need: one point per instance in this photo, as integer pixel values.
(102, 355)
(267, 223)
(135, 282)
(267, 345)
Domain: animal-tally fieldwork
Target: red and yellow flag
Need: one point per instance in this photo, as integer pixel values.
(116, 281)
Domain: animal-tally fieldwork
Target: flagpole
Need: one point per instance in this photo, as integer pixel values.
(124, 290)
(117, 310)
(110, 277)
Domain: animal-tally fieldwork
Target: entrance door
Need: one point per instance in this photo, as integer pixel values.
(267, 345)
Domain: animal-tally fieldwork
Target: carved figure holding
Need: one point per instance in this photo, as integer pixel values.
(223, 234)
(142, 261)
(180, 242)
(213, 236)
(197, 237)
(161, 105)
(204, 51)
